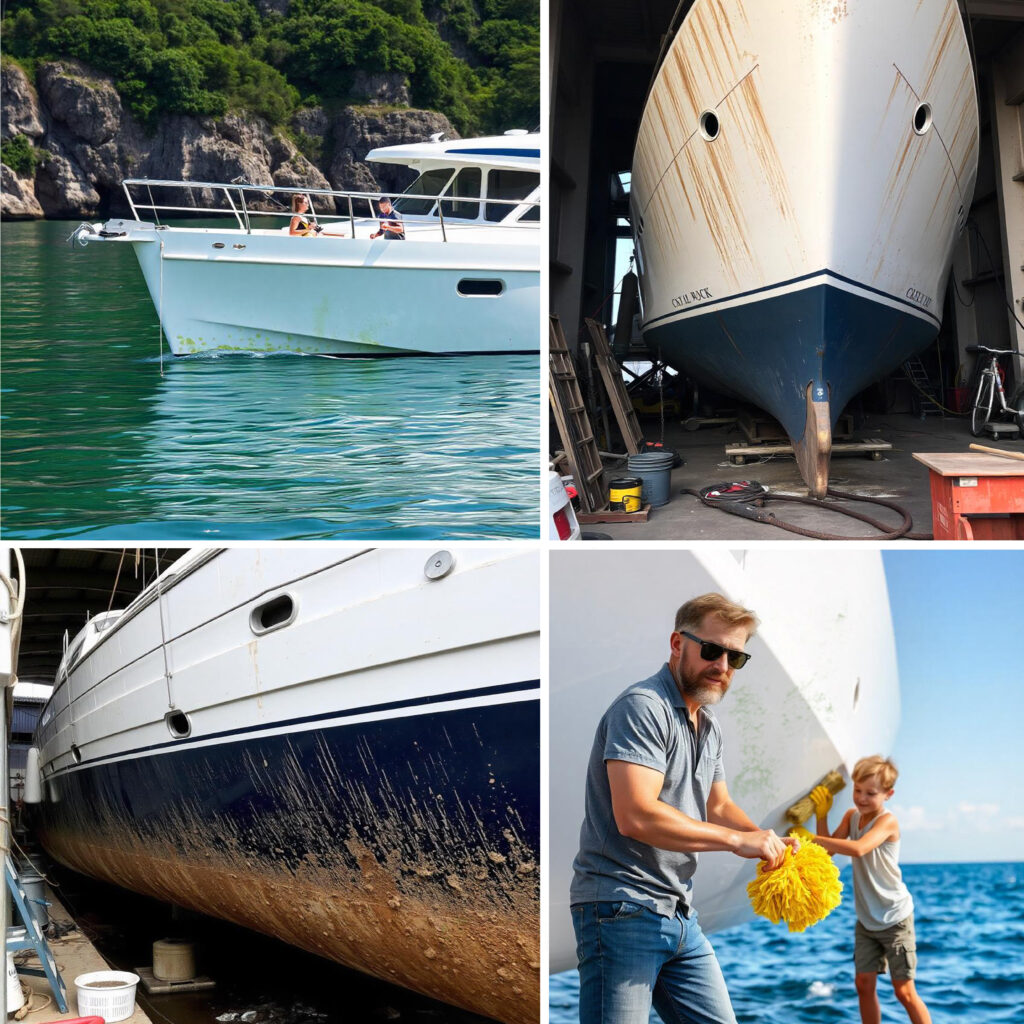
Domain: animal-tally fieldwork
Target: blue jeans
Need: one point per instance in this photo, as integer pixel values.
(630, 956)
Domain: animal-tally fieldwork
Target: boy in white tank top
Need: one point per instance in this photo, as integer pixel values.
(884, 935)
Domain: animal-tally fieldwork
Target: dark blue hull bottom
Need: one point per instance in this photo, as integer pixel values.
(406, 847)
(770, 350)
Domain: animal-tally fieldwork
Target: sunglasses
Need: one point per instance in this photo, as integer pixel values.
(712, 652)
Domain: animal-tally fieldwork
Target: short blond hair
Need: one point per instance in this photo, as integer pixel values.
(693, 613)
(876, 767)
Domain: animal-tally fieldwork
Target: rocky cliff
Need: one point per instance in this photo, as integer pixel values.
(79, 142)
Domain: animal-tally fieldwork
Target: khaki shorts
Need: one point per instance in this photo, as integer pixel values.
(894, 947)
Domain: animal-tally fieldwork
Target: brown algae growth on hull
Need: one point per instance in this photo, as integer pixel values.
(435, 928)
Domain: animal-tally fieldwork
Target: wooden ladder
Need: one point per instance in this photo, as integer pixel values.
(615, 388)
(574, 426)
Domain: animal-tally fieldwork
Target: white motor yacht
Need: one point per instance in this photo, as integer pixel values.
(464, 280)
(339, 747)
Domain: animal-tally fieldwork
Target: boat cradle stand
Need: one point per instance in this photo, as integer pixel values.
(739, 453)
(155, 987)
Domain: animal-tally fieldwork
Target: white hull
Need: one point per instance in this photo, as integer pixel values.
(266, 291)
(360, 777)
(803, 251)
(820, 691)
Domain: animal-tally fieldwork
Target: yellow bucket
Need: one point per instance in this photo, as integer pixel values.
(624, 494)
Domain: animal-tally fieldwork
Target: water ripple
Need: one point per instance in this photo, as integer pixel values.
(98, 442)
(966, 914)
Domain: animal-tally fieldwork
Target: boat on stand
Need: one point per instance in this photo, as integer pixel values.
(465, 279)
(821, 689)
(336, 747)
(801, 174)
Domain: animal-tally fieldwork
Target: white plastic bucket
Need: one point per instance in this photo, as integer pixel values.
(15, 997)
(111, 1002)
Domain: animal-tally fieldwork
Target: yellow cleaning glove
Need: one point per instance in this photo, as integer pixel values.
(821, 797)
(804, 890)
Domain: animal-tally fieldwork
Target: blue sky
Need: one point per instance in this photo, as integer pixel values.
(958, 617)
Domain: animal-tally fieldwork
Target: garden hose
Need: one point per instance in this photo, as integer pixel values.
(747, 498)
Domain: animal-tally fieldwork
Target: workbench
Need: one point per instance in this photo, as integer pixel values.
(975, 496)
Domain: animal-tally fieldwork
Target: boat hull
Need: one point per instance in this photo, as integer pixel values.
(361, 781)
(227, 291)
(821, 689)
(801, 174)
(402, 867)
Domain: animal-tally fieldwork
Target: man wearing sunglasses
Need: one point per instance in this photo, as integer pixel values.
(656, 797)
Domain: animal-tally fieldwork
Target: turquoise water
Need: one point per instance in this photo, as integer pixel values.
(103, 439)
(970, 943)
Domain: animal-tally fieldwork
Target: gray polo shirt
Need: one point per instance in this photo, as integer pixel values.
(648, 724)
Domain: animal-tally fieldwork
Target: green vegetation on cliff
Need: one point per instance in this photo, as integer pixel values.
(21, 156)
(209, 56)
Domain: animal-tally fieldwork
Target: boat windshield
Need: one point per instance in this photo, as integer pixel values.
(429, 183)
(443, 181)
(511, 185)
(464, 187)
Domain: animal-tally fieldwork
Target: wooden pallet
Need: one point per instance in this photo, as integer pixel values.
(609, 515)
(739, 453)
(154, 986)
(574, 426)
(615, 388)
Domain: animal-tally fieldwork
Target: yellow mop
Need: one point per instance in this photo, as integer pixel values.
(805, 888)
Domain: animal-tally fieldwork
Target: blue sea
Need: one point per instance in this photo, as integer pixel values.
(104, 439)
(970, 943)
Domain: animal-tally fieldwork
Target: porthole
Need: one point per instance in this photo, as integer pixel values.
(76, 754)
(218, 245)
(473, 286)
(922, 118)
(856, 694)
(273, 614)
(179, 724)
(709, 126)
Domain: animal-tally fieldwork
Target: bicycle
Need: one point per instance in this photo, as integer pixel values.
(990, 384)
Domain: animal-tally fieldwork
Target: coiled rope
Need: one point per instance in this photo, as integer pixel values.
(747, 498)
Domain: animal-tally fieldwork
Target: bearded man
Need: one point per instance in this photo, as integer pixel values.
(656, 797)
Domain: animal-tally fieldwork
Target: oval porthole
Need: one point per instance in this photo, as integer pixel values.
(922, 118)
(856, 694)
(709, 126)
(76, 754)
(179, 724)
(273, 614)
(473, 286)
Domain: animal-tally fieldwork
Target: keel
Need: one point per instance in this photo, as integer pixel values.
(815, 447)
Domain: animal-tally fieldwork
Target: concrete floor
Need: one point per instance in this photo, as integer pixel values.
(896, 477)
(75, 955)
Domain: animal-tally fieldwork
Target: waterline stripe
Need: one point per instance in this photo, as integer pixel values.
(785, 284)
(368, 709)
